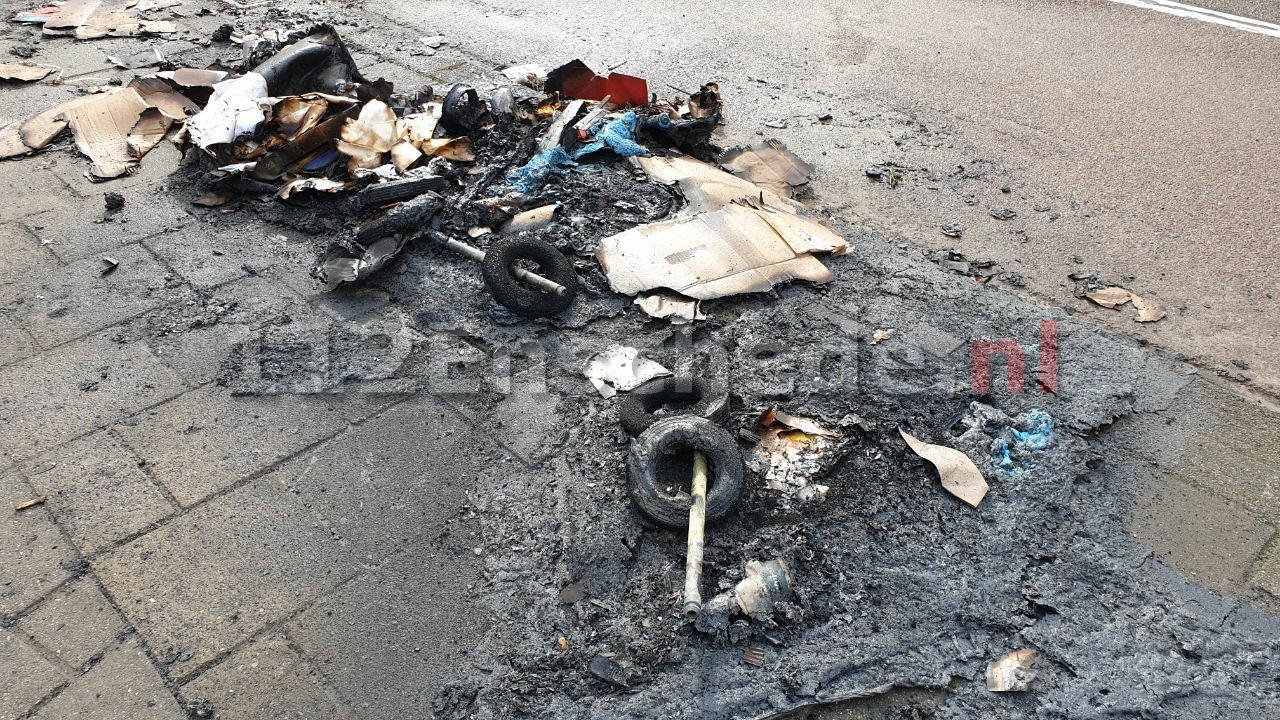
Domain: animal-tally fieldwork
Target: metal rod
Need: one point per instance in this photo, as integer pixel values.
(543, 284)
(697, 525)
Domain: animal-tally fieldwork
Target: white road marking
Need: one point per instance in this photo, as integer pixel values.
(1210, 16)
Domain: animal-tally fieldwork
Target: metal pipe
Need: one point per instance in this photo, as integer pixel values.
(474, 253)
(697, 525)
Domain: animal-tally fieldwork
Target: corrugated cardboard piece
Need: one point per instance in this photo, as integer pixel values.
(770, 165)
(116, 129)
(733, 237)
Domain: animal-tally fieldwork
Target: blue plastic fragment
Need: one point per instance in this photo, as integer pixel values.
(1000, 456)
(321, 161)
(1012, 452)
(535, 172)
(1039, 433)
(618, 135)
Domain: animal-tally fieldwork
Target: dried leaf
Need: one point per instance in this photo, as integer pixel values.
(29, 504)
(959, 475)
(1148, 311)
(1110, 297)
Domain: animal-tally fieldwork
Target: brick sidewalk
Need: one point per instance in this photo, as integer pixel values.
(196, 545)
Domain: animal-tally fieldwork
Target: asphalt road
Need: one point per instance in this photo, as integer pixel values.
(1150, 140)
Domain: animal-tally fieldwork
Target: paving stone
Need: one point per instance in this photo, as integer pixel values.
(75, 388)
(36, 556)
(76, 58)
(1199, 534)
(353, 303)
(197, 338)
(369, 485)
(266, 680)
(1216, 438)
(76, 623)
(150, 186)
(214, 577)
(1266, 577)
(209, 255)
(208, 439)
(97, 492)
(82, 227)
(24, 257)
(25, 675)
(525, 405)
(123, 686)
(15, 343)
(78, 299)
(361, 636)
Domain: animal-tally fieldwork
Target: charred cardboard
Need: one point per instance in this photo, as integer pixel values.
(733, 237)
(770, 165)
(18, 72)
(90, 19)
(116, 129)
(34, 133)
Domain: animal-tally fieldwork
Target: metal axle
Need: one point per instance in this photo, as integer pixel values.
(475, 253)
(697, 524)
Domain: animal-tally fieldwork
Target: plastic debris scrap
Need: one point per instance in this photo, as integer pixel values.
(763, 586)
(1012, 673)
(233, 111)
(791, 452)
(620, 368)
(960, 476)
(619, 135)
(575, 80)
(534, 173)
(1039, 432)
(1011, 453)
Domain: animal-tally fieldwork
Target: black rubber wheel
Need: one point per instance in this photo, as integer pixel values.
(461, 109)
(518, 298)
(669, 435)
(709, 401)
